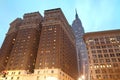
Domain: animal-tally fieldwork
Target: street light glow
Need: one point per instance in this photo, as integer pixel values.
(83, 77)
(79, 79)
(51, 78)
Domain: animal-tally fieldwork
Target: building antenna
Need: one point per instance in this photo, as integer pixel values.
(76, 13)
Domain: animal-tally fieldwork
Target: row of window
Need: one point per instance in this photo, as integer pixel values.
(105, 60)
(104, 46)
(107, 77)
(107, 66)
(105, 55)
(105, 51)
(109, 71)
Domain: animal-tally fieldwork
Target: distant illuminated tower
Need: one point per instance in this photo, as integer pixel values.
(80, 46)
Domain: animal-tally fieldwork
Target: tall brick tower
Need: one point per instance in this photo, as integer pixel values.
(39, 48)
(9, 43)
(23, 54)
(56, 51)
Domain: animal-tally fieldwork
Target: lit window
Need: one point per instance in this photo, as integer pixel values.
(41, 51)
(28, 36)
(28, 65)
(31, 54)
(21, 64)
(33, 63)
(5, 60)
(53, 63)
(24, 53)
(50, 29)
(40, 63)
(13, 39)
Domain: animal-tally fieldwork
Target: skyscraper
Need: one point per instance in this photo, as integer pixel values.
(80, 47)
(9, 43)
(24, 52)
(104, 54)
(43, 48)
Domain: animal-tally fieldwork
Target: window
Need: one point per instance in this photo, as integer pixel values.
(117, 50)
(95, 61)
(98, 76)
(115, 65)
(119, 59)
(106, 55)
(52, 71)
(100, 55)
(99, 51)
(19, 73)
(118, 54)
(37, 77)
(97, 47)
(105, 51)
(114, 60)
(112, 55)
(110, 70)
(107, 60)
(28, 36)
(103, 71)
(105, 77)
(93, 51)
(11, 77)
(17, 78)
(97, 71)
(103, 46)
(38, 72)
(40, 63)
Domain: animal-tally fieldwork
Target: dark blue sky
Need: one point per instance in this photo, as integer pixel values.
(96, 15)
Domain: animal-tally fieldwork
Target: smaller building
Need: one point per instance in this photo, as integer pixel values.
(104, 54)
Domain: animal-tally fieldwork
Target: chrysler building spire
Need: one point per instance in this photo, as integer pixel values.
(76, 14)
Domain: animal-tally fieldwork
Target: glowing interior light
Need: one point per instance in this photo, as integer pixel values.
(104, 66)
(109, 65)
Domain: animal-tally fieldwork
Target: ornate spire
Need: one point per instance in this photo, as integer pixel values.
(76, 14)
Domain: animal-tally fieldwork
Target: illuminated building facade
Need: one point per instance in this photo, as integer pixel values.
(80, 47)
(104, 54)
(41, 48)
